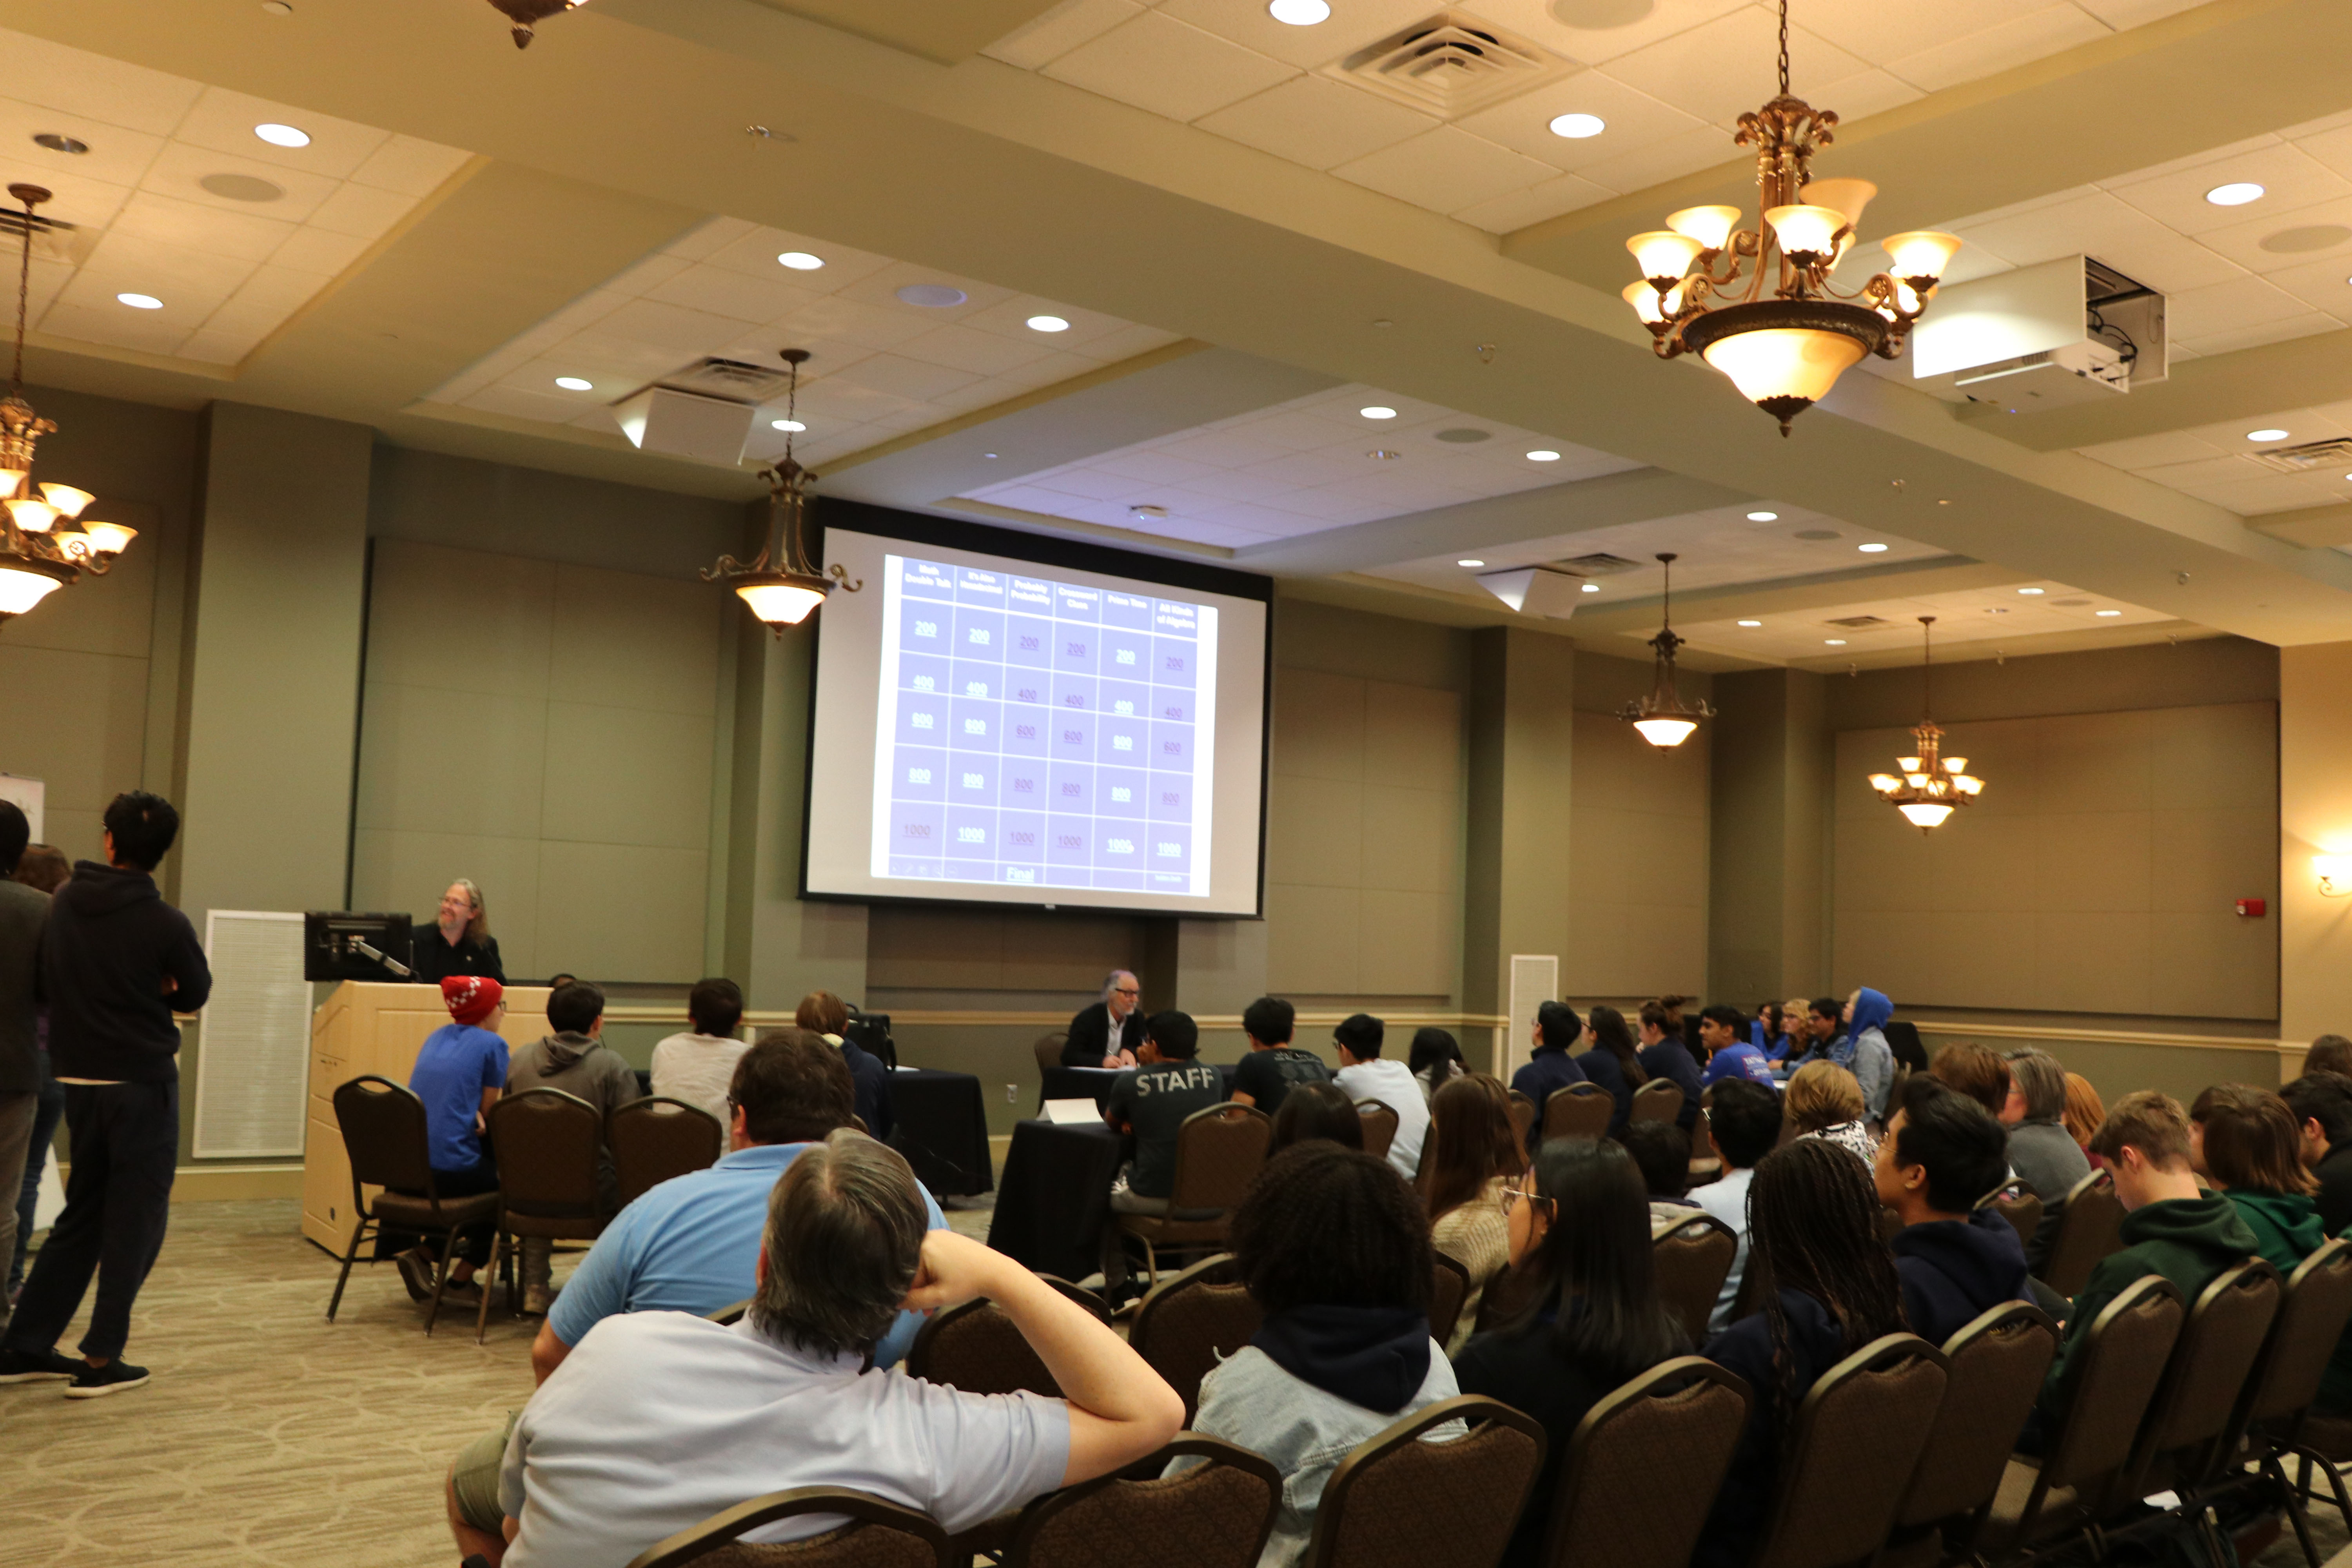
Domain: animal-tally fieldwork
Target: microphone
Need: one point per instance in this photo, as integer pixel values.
(360, 946)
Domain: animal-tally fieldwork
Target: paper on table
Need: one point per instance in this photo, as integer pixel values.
(1064, 1113)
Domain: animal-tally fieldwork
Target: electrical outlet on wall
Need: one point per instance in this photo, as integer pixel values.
(1010, 1090)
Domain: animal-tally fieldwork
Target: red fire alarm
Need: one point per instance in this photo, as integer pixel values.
(2253, 907)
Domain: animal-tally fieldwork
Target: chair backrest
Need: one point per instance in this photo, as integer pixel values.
(548, 1143)
(1644, 1466)
(731, 1313)
(656, 1138)
(2020, 1207)
(974, 1347)
(2112, 1375)
(1049, 1049)
(2209, 1370)
(384, 1134)
(1855, 1445)
(1693, 1260)
(1660, 1099)
(2311, 1320)
(1192, 1321)
(1402, 1501)
(1447, 1293)
(1524, 1111)
(1218, 1151)
(1380, 1123)
(2091, 1227)
(1214, 1514)
(881, 1535)
(1579, 1110)
(1998, 1362)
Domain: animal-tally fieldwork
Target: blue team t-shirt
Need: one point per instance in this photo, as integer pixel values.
(1740, 1060)
(456, 1062)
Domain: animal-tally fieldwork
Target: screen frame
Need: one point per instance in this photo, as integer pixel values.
(1041, 550)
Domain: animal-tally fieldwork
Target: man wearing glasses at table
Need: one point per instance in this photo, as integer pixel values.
(1108, 1033)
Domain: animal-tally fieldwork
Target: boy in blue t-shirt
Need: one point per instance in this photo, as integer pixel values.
(460, 1069)
(1722, 1031)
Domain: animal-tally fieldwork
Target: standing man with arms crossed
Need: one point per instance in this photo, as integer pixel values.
(116, 962)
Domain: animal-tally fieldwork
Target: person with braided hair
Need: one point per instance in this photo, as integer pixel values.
(1829, 1288)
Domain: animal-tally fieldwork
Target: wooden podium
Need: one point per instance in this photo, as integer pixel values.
(365, 1027)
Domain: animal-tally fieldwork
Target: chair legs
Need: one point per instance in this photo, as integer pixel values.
(482, 1314)
(2295, 1513)
(441, 1278)
(351, 1252)
(2311, 1456)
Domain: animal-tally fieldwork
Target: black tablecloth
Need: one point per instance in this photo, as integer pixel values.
(943, 1128)
(1093, 1083)
(1057, 1195)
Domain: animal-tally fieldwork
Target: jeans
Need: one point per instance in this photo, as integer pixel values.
(47, 1113)
(125, 1143)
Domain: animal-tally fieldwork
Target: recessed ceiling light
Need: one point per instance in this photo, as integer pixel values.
(1834, 642)
(2266, 435)
(1576, 127)
(1469, 563)
(1299, 13)
(277, 8)
(796, 425)
(801, 260)
(1592, 587)
(1543, 456)
(141, 302)
(2110, 612)
(1751, 623)
(278, 135)
(58, 144)
(2032, 593)
(1763, 517)
(1377, 411)
(1048, 324)
(1871, 549)
(575, 383)
(2236, 193)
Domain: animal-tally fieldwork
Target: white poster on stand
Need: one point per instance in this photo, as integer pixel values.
(28, 794)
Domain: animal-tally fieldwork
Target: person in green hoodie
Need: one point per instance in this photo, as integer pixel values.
(2170, 1226)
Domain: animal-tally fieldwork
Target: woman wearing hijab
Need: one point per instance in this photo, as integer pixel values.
(1873, 1059)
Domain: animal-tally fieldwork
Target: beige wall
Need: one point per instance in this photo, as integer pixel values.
(2315, 818)
(1638, 831)
(552, 731)
(2096, 874)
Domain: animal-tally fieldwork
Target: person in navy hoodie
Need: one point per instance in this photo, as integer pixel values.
(1942, 1152)
(1664, 1056)
(1551, 1067)
(1813, 1225)
(1719, 1029)
(1615, 1064)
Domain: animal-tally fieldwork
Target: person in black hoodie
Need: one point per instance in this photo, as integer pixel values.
(116, 962)
(2321, 1103)
(1942, 1152)
(1831, 1289)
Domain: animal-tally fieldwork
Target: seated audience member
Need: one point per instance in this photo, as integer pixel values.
(1365, 1075)
(2040, 1151)
(1312, 1110)
(1663, 1154)
(1866, 1013)
(1109, 1033)
(1824, 1035)
(2170, 1226)
(2245, 1142)
(1552, 1065)
(697, 1066)
(1664, 1056)
(1816, 1238)
(1595, 1322)
(825, 1015)
(658, 1420)
(1436, 1058)
(1823, 1101)
(1473, 1155)
(1976, 1072)
(2084, 1111)
(690, 1245)
(460, 1068)
(1274, 1066)
(575, 1059)
(2329, 1053)
(1743, 1123)
(1729, 1055)
(1942, 1153)
(1796, 1038)
(2322, 1105)
(1151, 1102)
(1332, 1245)
(1615, 1064)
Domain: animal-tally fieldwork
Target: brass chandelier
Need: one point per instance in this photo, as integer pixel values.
(44, 544)
(783, 584)
(1663, 717)
(525, 14)
(1704, 277)
(1931, 786)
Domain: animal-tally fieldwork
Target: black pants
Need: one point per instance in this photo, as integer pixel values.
(473, 1240)
(124, 1140)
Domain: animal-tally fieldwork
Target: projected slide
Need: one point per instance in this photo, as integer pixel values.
(1039, 731)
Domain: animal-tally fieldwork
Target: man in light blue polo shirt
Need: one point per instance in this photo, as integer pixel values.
(691, 1244)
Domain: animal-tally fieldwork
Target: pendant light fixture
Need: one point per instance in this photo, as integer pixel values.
(784, 584)
(1704, 277)
(1663, 717)
(1932, 787)
(525, 14)
(44, 544)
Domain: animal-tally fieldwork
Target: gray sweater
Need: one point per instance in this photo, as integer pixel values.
(2046, 1158)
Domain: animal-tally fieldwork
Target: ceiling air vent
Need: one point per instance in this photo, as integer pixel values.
(730, 379)
(1598, 566)
(2303, 458)
(1452, 63)
(1859, 623)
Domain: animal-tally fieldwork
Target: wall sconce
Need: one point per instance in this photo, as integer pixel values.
(2334, 874)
